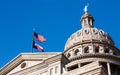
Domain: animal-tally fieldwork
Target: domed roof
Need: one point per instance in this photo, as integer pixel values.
(89, 40)
(85, 35)
(88, 33)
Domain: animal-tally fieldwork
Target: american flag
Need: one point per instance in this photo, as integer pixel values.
(39, 37)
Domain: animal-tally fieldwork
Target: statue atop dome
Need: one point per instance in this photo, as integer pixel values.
(86, 8)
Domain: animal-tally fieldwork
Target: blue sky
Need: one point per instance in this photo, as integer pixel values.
(55, 19)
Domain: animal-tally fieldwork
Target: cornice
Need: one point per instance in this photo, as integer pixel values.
(94, 57)
(98, 55)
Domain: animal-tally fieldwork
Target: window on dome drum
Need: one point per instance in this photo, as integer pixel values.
(68, 55)
(86, 50)
(115, 53)
(97, 50)
(106, 50)
(76, 51)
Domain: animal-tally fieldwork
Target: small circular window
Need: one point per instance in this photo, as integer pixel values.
(95, 31)
(23, 65)
(86, 31)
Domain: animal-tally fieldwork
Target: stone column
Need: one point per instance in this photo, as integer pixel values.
(108, 69)
(79, 65)
(72, 53)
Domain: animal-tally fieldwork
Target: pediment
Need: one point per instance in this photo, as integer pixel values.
(23, 65)
(25, 60)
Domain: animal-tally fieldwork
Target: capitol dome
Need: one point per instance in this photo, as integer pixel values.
(85, 35)
(89, 40)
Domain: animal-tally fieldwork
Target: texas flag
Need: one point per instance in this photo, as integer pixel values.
(38, 47)
(39, 37)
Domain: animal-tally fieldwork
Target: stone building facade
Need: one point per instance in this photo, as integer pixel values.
(88, 51)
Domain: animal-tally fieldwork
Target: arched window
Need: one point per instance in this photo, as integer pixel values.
(97, 50)
(76, 51)
(106, 50)
(86, 50)
(68, 55)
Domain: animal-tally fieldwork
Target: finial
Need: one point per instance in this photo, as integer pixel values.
(86, 8)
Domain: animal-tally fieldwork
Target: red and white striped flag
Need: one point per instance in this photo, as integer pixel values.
(39, 37)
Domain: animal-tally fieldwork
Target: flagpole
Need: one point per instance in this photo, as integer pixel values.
(32, 39)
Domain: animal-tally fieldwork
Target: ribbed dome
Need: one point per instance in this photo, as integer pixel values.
(88, 35)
